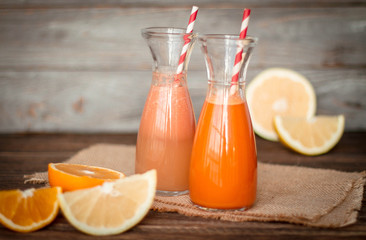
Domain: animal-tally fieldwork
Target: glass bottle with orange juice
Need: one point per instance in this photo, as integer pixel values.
(167, 126)
(223, 169)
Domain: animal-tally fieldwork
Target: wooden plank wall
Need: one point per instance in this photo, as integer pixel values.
(82, 66)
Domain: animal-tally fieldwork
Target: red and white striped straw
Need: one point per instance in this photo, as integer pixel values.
(191, 22)
(239, 53)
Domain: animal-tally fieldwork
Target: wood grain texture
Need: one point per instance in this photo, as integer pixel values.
(27, 153)
(76, 66)
(113, 101)
(177, 4)
(98, 39)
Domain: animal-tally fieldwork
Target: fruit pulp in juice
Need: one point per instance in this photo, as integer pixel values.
(223, 171)
(166, 135)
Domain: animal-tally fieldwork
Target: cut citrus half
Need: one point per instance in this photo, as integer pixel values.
(111, 208)
(313, 136)
(278, 91)
(29, 210)
(71, 177)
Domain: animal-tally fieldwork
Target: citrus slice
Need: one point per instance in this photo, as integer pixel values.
(29, 210)
(76, 176)
(111, 208)
(313, 136)
(278, 91)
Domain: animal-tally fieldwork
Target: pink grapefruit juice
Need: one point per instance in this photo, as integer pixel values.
(166, 133)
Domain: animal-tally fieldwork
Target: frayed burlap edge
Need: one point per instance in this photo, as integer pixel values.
(36, 178)
(341, 215)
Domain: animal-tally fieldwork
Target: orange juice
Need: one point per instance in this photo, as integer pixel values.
(223, 170)
(166, 134)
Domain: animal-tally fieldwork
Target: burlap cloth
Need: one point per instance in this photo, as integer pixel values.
(312, 197)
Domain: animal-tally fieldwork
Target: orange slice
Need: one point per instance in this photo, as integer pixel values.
(75, 176)
(278, 91)
(313, 136)
(111, 208)
(29, 210)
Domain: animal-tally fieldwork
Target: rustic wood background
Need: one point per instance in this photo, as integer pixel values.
(82, 66)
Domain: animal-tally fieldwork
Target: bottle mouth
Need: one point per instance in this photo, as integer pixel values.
(165, 32)
(247, 41)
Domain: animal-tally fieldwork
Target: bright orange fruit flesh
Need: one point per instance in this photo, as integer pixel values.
(72, 177)
(29, 210)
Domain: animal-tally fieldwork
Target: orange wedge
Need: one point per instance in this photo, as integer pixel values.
(313, 136)
(29, 210)
(71, 177)
(278, 91)
(111, 208)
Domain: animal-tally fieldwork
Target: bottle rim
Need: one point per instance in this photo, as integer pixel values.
(248, 40)
(164, 32)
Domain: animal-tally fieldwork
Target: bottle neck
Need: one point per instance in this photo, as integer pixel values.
(226, 56)
(220, 93)
(166, 46)
(169, 78)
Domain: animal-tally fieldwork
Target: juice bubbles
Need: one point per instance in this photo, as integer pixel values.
(166, 132)
(224, 160)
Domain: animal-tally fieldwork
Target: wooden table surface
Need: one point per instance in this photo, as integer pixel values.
(27, 153)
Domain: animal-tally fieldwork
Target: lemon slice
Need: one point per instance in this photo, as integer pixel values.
(111, 208)
(278, 91)
(313, 136)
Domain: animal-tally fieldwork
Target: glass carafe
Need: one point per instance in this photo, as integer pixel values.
(167, 126)
(223, 170)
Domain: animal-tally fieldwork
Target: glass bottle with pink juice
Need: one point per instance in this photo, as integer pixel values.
(167, 126)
